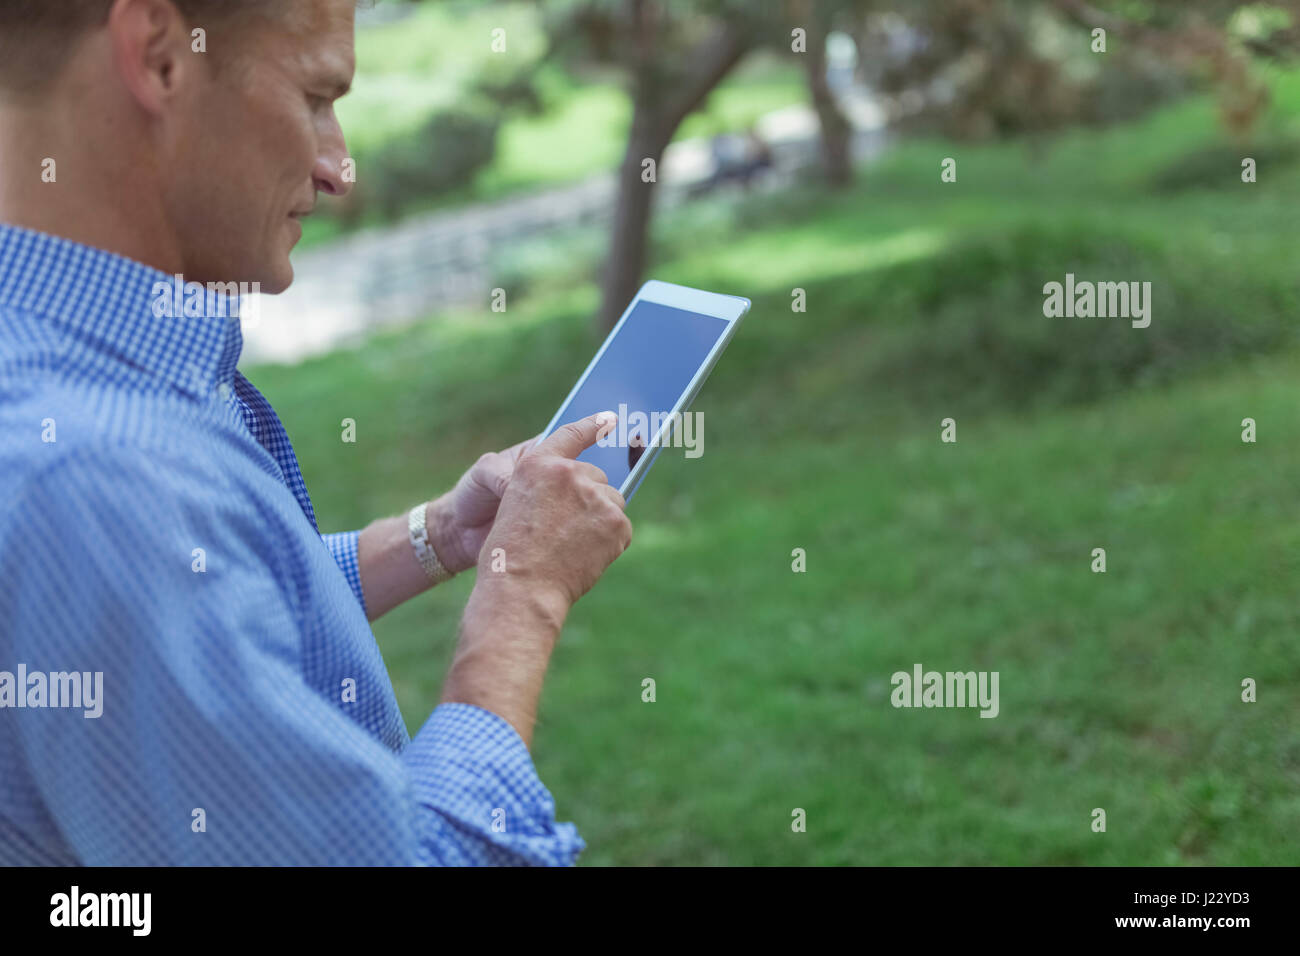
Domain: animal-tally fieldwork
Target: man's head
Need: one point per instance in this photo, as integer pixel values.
(189, 134)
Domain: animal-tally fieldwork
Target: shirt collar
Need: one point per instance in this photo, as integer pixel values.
(122, 309)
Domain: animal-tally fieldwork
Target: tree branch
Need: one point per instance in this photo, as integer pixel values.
(715, 56)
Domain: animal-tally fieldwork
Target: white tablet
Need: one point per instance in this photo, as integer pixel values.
(649, 370)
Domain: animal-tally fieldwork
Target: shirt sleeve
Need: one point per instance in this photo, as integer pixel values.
(465, 758)
(343, 546)
(210, 747)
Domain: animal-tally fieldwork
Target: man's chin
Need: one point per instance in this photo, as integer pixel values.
(278, 281)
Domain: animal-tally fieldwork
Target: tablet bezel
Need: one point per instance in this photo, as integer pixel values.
(730, 308)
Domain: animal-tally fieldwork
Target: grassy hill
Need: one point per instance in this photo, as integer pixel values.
(1118, 690)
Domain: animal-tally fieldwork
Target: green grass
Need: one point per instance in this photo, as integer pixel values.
(1118, 690)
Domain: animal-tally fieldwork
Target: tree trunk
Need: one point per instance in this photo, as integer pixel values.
(633, 211)
(658, 108)
(836, 132)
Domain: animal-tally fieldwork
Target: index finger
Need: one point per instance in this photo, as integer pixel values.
(573, 439)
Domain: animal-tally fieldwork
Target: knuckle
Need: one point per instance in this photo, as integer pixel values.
(566, 469)
(549, 467)
(529, 464)
(612, 520)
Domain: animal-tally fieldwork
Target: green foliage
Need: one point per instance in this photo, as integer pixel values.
(1205, 168)
(553, 127)
(996, 353)
(443, 154)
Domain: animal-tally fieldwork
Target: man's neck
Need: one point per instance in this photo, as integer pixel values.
(54, 179)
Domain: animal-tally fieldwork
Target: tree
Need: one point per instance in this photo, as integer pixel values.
(674, 54)
(1212, 36)
(818, 18)
(982, 68)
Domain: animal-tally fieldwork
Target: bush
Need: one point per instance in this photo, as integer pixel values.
(1219, 167)
(980, 334)
(442, 155)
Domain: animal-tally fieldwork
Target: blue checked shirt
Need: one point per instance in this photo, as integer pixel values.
(155, 528)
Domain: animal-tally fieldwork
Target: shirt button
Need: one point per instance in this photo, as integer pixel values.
(224, 391)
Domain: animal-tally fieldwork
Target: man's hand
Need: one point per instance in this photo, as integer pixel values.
(457, 523)
(558, 527)
(557, 524)
(460, 520)
(560, 523)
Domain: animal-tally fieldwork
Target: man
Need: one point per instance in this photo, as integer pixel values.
(187, 674)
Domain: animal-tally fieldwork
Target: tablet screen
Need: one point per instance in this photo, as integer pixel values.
(646, 367)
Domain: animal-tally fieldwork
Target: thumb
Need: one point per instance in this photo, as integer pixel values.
(571, 440)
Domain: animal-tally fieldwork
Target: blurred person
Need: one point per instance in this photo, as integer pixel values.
(758, 155)
(735, 159)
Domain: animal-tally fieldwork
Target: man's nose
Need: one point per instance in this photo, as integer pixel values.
(334, 173)
(331, 175)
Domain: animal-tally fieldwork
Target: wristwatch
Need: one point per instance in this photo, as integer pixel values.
(419, 533)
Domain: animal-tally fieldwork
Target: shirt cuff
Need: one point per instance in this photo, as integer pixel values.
(471, 767)
(343, 546)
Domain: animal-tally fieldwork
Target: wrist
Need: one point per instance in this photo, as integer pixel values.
(529, 603)
(506, 639)
(443, 538)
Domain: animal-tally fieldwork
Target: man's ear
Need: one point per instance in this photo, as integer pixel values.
(150, 41)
